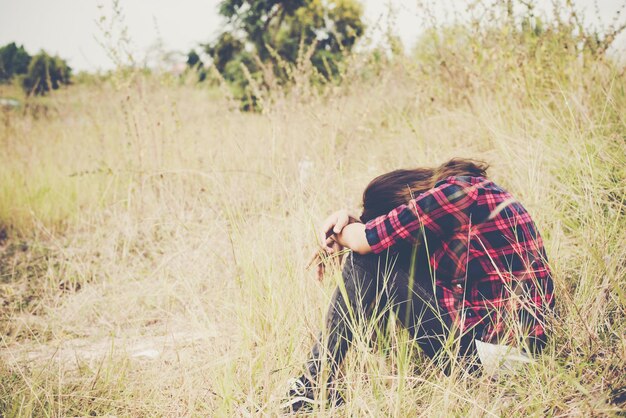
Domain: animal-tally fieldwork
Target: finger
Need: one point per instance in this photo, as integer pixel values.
(329, 244)
(342, 221)
(323, 238)
(327, 225)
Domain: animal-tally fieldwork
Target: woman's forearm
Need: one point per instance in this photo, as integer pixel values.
(353, 236)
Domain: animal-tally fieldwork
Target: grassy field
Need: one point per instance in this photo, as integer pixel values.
(153, 239)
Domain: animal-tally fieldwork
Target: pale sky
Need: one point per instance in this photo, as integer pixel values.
(68, 27)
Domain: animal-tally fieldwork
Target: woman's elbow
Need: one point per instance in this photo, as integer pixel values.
(363, 248)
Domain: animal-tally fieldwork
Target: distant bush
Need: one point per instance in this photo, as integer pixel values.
(14, 61)
(45, 73)
(37, 75)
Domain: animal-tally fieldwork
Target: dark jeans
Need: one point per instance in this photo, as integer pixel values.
(373, 285)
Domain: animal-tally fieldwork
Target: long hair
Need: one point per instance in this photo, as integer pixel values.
(398, 187)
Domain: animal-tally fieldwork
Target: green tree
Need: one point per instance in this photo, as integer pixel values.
(285, 25)
(266, 31)
(335, 26)
(45, 73)
(259, 20)
(14, 61)
(225, 49)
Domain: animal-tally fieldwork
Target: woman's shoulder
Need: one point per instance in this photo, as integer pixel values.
(478, 187)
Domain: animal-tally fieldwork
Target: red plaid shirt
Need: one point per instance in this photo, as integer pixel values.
(486, 256)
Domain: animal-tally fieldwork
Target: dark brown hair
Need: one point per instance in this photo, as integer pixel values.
(398, 187)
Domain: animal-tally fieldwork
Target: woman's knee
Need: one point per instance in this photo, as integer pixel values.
(359, 279)
(382, 268)
(359, 263)
(373, 273)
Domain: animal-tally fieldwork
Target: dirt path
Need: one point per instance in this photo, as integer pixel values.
(141, 348)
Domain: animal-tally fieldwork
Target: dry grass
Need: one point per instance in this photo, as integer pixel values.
(157, 241)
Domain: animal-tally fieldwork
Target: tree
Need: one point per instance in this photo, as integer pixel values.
(45, 73)
(37, 75)
(266, 31)
(14, 61)
(334, 27)
(285, 25)
(227, 48)
(259, 19)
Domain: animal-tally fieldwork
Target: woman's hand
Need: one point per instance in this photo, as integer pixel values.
(329, 249)
(321, 258)
(333, 241)
(334, 224)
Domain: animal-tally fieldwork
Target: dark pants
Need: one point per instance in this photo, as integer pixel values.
(372, 286)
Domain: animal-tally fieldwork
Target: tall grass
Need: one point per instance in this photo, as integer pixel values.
(156, 244)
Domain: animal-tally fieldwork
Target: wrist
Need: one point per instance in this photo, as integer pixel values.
(353, 236)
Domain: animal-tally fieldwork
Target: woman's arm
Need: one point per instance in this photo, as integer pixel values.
(333, 224)
(332, 241)
(353, 236)
(430, 217)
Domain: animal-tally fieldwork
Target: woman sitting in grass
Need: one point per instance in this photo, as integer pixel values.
(456, 258)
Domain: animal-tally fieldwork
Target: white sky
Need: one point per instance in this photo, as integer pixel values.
(68, 27)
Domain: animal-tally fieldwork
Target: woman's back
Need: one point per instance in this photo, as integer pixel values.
(486, 257)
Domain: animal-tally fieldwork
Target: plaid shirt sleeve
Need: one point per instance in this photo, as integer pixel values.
(433, 214)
